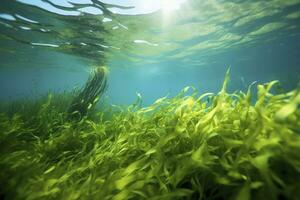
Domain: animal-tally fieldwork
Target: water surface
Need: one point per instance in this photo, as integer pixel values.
(151, 47)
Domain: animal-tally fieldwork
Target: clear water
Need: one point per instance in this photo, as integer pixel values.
(154, 48)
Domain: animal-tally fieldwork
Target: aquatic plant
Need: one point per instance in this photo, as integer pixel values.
(212, 146)
(89, 94)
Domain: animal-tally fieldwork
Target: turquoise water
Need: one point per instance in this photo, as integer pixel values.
(233, 134)
(154, 48)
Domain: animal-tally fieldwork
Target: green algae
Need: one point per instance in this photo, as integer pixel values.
(89, 95)
(212, 146)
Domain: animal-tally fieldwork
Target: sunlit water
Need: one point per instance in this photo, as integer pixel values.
(154, 48)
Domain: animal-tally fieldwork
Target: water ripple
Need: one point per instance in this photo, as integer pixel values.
(95, 31)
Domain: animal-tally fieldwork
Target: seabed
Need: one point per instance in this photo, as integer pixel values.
(208, 146)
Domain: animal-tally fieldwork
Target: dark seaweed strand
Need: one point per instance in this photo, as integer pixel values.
(87, 97)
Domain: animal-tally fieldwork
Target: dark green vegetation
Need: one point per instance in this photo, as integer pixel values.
(188, 147)
(89, 95)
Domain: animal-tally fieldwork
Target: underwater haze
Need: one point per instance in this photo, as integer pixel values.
(149, 99)
(151, 47)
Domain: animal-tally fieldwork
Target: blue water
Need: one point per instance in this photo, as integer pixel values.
(154, 54)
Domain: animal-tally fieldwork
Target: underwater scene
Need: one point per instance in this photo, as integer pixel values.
(150, 99)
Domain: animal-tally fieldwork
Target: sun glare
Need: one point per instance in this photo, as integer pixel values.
(168, 6)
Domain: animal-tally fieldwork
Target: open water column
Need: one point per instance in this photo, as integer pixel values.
(149, 99)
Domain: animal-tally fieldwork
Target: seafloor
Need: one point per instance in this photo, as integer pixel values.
(211, 146)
